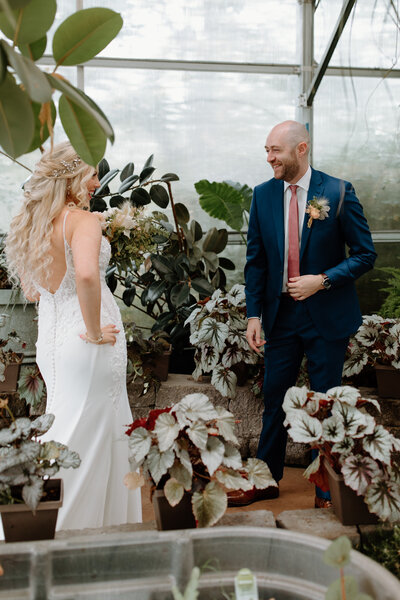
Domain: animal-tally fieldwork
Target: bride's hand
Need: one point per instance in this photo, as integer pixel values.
(109, 336)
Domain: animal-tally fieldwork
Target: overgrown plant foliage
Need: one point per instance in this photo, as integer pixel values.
(191, 447)
(391, 305)
(339, 425)
(27, 109)
(185, 266)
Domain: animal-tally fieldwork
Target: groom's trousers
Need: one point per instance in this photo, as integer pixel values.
(292, 336)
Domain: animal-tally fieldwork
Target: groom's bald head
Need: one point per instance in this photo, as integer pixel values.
(288, 146)
(293, 133)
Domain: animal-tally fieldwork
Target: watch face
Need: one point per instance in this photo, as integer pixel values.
(326, 283)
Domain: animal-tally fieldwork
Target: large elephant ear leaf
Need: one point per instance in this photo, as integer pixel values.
(84, 34)
(221, 201)
(209, 505)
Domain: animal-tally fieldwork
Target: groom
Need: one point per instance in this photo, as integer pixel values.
(300, 282)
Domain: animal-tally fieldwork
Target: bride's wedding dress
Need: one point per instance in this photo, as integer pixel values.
(86, 391)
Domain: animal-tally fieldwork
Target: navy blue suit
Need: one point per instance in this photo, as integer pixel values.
(318, 326)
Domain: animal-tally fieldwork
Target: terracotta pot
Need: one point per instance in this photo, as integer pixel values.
(173, 517)
(388, 380)
(11, 375)
(21, 524)
(349, 508)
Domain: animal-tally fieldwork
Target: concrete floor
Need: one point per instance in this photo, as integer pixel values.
(296, 493)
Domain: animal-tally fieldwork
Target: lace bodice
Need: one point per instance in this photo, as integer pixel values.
(60, 315)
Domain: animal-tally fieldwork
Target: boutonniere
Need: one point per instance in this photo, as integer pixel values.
(317, 208)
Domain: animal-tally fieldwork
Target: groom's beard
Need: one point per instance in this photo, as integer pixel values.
(287, 170)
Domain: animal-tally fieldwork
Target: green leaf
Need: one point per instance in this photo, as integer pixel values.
(33, 19)
(166, 429)
(213, 454)
(162, 264)
(179, 294)
(334, 591)
(30, 386)
(129, 295)
(245, 190)
(127, 183)
(209, 505)
(117, 201)
(127, 171)
(37, 139)
(139, 444)
(34, 50)
(196, 231)
(182, 213)
(83, 130)
(226, 263)
(202, 286)
(140, 197)
(181, 473)
(215, 240)
(16, 118)
(84, 34)
(148, 162)
(169, 177)
(14, 4)
(146, 173)
(338, 552)
(3, 64)
(173, 491)
(32, 78)
(221, 201)
(156, 290)
(43, 423)
(224, 380)
(82, 100)
(103, 168)
(159, 195)
(105, 180)
(259, 473)
(159, 462)
(232, 480)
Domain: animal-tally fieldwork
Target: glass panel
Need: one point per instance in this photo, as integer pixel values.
(356, 137)
(370, 38)
(198, 125)
(227, 30)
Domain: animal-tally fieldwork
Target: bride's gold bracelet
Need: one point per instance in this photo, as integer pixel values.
(92, 341)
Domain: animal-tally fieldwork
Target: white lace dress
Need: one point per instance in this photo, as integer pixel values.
(86, 389)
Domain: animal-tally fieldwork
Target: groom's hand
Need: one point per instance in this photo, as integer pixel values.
(253, 334)
(304, 286)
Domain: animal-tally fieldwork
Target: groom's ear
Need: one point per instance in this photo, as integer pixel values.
(302, 149)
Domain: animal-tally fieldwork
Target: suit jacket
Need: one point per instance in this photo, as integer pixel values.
(335, 312)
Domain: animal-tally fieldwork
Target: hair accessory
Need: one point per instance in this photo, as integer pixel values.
(67, 167)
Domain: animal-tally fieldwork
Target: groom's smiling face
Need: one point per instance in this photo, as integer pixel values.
(282, 156)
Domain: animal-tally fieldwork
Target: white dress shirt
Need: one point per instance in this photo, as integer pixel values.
(302, 191)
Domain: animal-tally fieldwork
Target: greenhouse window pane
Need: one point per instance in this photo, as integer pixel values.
(370, 38)
(205, 30)
(356, 137)
(198, 125)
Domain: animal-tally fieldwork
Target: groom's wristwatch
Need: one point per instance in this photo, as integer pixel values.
(326, 282)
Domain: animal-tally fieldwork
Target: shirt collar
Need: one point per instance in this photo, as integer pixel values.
(304, 182)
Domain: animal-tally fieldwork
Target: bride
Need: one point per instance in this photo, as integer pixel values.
(56, 250)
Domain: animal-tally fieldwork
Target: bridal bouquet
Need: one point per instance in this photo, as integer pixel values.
(131, 234)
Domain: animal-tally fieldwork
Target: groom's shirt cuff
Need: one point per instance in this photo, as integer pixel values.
(259, 318)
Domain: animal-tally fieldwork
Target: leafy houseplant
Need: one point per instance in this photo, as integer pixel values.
(149, 358)
(218, 331)
(191, 447)
(185, 265)
(10, 362)
(391, 304)
(352, 444)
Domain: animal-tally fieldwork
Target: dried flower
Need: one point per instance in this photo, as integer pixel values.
(317, 208)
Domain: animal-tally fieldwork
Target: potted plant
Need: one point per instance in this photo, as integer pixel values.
(189, 452)
(218, 331)
(377, 344)
(357, 456)
(10, 363)
(149, 357)
(29, 498)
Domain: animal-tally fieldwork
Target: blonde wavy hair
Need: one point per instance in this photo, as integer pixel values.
(60, 174)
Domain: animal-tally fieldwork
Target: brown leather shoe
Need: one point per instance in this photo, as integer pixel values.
(322, 503)
(242, 498)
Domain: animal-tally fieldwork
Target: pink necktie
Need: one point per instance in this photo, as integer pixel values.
(293, 235)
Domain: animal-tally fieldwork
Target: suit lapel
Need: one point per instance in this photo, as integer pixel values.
(278, 216)
(315, 189)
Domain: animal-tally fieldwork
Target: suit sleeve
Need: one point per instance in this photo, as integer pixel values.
(357, 236)
(255, 271)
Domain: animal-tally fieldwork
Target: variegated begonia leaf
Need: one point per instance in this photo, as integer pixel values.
(396, 443)
(209, 357)
(304, 428)
(213, 333)
(312, 406)
(68, 458)
(209, 505)
(194, 338)
(383, 499)
(259, 474)
(295, 398)
(236, 295)
(369, 426)
(28, 450)
(231, 356)
(232, 457)
(182, 475)
(238, 338)
(139, 444)
(192, 316)
(249, 356)
(225, 423)
(394, 472)
(42, 424)
(198, 371)
(345, 393)
(166, 429)
(368, 334)
(184, 457)
(358, 472)
(198, 434)
(344, 447)
(194, 407)
(133, 480)
(44, 472)
(32, 492)
(224, 381)
(332, 429)
(237, 322)
(20, 428)
(158, 462)
(213, 454)
(351, 416)
(312, 467)
(233, 480)
(373, 401)
(379, 444)
(50, 450)
(355, 363)
(391, 346)
(173, 491)
(14, 477)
